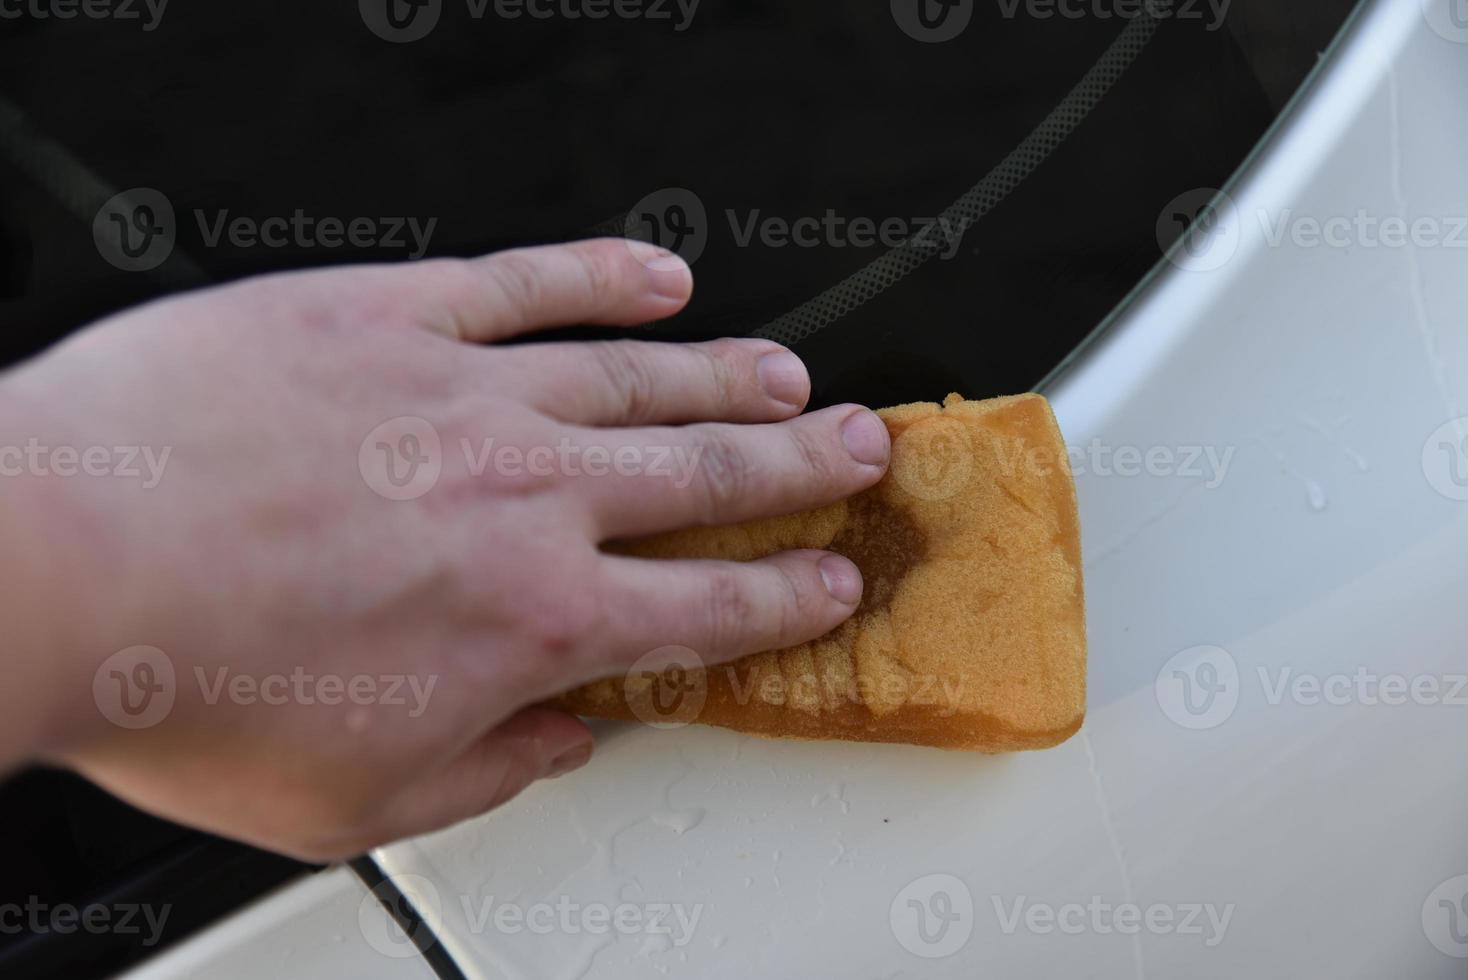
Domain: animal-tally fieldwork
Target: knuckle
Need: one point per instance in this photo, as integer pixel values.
(455, 286)
(518, 280)
(562, 625)
(600, 270)
(520, 771)
(726, 365)
(817, 462)
(453, 278)
(631, 378)
(728, 610)
(726, 474)
(795, 608)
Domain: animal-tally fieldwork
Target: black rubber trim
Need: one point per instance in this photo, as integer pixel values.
(197, 883)
(401, 908)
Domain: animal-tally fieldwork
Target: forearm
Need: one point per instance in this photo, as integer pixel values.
(28, 590)
(38, 690)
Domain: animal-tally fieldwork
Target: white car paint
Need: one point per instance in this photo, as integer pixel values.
(327, 925)
(1276, 830)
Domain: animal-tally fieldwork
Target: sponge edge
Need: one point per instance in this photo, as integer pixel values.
(971, 630)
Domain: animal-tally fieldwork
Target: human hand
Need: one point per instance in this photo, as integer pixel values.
(280, 416)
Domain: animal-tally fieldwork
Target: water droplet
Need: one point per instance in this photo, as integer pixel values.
(1316, 494)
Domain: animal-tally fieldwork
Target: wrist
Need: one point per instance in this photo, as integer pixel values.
(40, 698)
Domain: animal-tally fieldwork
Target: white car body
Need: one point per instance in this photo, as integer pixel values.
(1310, 819)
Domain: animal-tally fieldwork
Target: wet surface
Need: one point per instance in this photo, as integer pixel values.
(885, 543)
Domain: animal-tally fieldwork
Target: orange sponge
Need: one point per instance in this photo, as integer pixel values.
(971, 629)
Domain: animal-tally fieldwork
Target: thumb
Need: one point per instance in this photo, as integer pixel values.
(535, 743)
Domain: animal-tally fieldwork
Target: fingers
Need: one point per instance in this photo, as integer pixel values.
(723, 474)
(604, 281)
(633, 382)
(534, 743)
(722, 610)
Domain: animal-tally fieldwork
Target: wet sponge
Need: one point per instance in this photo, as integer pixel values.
(971, 629)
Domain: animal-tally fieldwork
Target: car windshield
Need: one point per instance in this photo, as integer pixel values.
(921, 197)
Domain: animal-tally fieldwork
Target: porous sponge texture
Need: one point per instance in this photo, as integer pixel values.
(971, 630)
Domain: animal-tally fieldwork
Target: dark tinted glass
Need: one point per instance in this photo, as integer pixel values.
(792, 150)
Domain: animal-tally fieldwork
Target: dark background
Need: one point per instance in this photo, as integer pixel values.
(526, 131)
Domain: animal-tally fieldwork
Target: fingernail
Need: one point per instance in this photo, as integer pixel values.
(784, 377)
(842, 579)
(667, 274)
(865, 438)
(569, 761)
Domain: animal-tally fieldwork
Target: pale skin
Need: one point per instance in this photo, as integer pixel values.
(262, 550)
